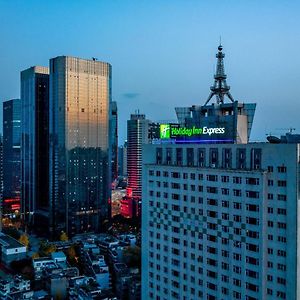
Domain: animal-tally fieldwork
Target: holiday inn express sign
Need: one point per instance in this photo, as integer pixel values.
(174, 131)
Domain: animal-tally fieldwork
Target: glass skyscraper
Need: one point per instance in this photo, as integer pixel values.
(35, 146)
(80, 173)
(11, 149)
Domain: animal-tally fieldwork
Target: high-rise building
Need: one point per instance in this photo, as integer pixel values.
(219, 214)
(1, 180)
(125, 148)
(11, 149)
(137, 135)
(120, 160)
(35, 147)
(114, 140)
(80, 172)
(219, 221)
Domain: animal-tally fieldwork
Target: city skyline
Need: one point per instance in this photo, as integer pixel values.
(167, 52)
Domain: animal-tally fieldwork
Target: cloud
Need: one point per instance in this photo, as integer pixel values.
(130, 95)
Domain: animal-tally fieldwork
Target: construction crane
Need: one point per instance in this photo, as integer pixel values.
(290, 129)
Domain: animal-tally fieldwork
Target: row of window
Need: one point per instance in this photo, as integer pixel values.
(175, 156)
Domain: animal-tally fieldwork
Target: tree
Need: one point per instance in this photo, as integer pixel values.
(64, 237)
(46, 248)
(35, 255)
(24, 239)
(71, 253)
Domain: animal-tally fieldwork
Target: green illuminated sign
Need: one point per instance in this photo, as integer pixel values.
(165, 131)
(168, 131)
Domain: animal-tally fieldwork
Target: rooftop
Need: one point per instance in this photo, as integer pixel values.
(8, 242)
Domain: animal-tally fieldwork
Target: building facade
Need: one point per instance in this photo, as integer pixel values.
(137, 135)
(35, 146)
(220, 221)
(80, 172)
(219, 214)
(114, 140)
(11, 149)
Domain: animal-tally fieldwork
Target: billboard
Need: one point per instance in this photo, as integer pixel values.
(195, 134)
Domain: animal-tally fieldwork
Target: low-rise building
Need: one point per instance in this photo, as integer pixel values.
(11, 249)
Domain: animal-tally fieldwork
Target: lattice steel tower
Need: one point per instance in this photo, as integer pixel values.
(220, 87)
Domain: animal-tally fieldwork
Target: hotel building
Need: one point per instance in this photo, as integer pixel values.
(220, 214)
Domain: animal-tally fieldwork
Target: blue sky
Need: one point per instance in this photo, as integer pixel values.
(163, 52)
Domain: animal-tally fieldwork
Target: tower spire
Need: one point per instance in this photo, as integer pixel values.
(220, 87)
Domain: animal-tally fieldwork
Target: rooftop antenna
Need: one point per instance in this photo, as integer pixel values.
(220, 89)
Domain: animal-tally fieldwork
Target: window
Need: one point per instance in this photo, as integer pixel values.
(281, 267)
(281, 197)
(212, 177)
(237, 180)
(201, 157)
(212, 190)
(168, 156)
(252, 194)
(281, 211)
(252, 234)
(190, 156)
(213, 157)
(281, 169)
(225, 191)
(252, 221)
(237, 193)
(179, 156)
(281, 225)
(225, 178)
(226, 158)
(241, 159)
(237, 205)
(281, 183)
(281, 281)
(252, 181)
(255, 159)
(281, 253)
(252, 207)
(158, 156)
(225, 203)
(175, 175)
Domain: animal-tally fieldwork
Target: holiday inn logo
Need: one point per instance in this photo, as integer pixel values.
(165, 131)
(171, 131)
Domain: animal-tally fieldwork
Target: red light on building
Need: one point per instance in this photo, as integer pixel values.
(129, 192)
(15, 206)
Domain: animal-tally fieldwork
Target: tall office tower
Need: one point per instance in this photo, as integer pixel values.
(120, 160)
(1, 180)
(137, 135)
(219, 214)
(35, 147)
(80, 99)
(125, 150)
(114, 140)
(11, 149)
